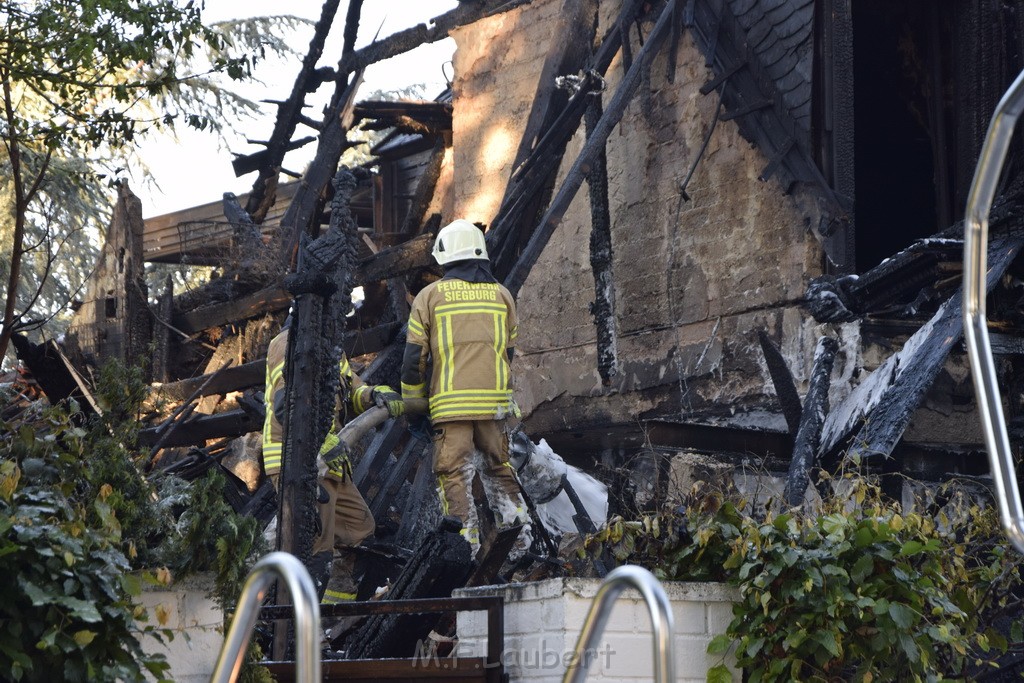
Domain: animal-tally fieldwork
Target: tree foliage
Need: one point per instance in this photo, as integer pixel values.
(81, 82)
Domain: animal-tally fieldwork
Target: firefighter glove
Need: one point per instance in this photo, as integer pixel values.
(386, 397)
(338, 462)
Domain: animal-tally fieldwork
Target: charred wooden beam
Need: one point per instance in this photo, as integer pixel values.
(397, 260)
(567, 55)
(270, 299)
(440, 564)
(584, 162)
(287, 117)
(247, 163)
(812, 418)
(425, 188)
(388, 263)
(230, 423)
(322, 286)
(228, 379)
(603, 308)
(782, 379)
(885, 410)
(308, 200)
(432, 115)
(533, 178)
(411, 38)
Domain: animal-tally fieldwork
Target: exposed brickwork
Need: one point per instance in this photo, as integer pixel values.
(543, 622)
(730, 261)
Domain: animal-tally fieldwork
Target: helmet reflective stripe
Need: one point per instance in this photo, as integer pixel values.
(459, 240)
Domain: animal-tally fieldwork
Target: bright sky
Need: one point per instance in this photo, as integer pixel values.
(193, 170)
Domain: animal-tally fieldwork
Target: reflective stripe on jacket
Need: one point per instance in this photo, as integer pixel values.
(467, 329)
(359, 399)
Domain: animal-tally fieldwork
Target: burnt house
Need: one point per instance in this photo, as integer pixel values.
(764, 265)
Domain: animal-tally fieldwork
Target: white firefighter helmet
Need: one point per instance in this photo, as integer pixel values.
(459, 240)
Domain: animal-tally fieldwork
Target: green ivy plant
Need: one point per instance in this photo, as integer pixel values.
(81, 529)
(856, 590)
(67, 612)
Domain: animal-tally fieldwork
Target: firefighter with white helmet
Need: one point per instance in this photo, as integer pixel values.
(466, 323)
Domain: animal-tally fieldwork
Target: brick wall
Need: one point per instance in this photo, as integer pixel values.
(694, 280)
(543, 622)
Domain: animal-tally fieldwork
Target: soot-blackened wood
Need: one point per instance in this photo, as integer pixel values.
(322, 286)
(421, 34)
(397, 260)
(533, 177)
(369, 468)
(306, 204)
(603, 308)
(272, 298)
(595, 143)
(230, 423)
(568, 53)
(434, 116)
(912, 371)
(228, 379)
(425, 187)
(440, 565)
(388, 263)
(782, 379)
(288, 114)
(812, 419)
(412, 456)
(162, 333)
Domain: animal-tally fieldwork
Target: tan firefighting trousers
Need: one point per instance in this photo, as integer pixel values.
(455, 465)
(345, 520)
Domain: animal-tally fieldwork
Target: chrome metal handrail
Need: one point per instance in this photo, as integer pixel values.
(979, 203)
(307, 618)
(597, 618)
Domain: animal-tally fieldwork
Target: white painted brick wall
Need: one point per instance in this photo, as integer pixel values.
(543, 622)
(197, 625)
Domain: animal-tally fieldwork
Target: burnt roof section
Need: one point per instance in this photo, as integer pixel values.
(761, 50)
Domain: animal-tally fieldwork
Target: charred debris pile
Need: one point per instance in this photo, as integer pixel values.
(317, 237)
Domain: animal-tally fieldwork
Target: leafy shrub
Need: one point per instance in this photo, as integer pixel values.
(77, 517)
(67, 612)
(858, 589)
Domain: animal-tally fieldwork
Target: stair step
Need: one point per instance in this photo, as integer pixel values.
(370, 670)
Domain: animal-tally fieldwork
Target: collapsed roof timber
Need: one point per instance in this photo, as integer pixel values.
(758, 181)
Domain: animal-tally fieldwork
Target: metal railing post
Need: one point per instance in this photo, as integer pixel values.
(979, 350)
(284, 566)
(597, 618)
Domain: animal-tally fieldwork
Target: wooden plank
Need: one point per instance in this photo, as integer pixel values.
(230, 423)
(812, 417)
(273, 298)
(388, 263)
(881, 407)
(230, 379)
(782, 379)
(374, 670)
(397, 260)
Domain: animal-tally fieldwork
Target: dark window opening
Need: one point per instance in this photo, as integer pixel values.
(903, 130)
(110, 307)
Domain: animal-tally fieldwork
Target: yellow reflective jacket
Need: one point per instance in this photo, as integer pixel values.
(467, 329)
(352, 394)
